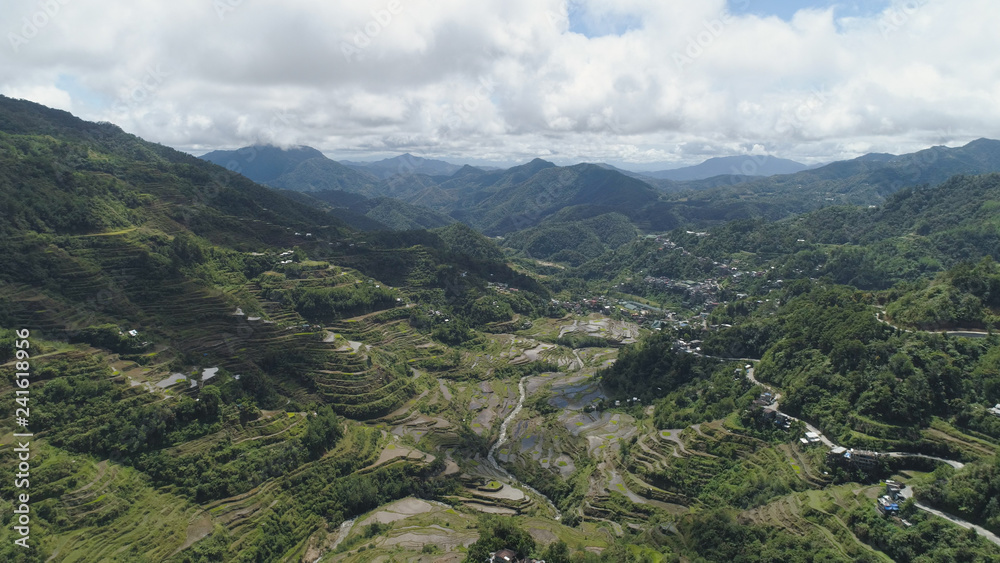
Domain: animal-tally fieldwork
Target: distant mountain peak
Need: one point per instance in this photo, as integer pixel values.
(740, 165)
(406, 164)
(300, 168)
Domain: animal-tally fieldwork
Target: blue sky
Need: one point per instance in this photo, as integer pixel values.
(502, 81)
(597, 26)
(785, 9)
(591, 25)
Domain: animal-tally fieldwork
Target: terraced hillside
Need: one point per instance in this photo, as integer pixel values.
(221, 374)
(205, 383)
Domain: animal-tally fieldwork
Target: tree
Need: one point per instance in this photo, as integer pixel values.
(496, 533)
(209, 399)
(322, 432)
(557, 552)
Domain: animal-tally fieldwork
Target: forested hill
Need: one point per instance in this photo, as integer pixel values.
(73, 177)
(87, 206)
(495, 202)
(303, 169)
(866, 180)
(917, 232)
(198, 339)
(372, 214)
(499, 202)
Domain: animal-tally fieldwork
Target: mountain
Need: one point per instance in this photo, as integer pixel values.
(917, 232)
(382, 213)
(867, 180)
(262, 163)
(404, 165)
(181, 315)
(503, 201)
(523, 196)
(570, 240)
(746, 165)
(221, 372)
(303, 169)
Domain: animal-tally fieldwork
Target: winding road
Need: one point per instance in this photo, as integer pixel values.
(962, 332)
(907, 492)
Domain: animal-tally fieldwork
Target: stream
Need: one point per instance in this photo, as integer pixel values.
(503, 438)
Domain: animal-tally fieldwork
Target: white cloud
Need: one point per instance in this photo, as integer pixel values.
(666, 81)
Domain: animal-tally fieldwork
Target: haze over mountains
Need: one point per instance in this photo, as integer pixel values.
(576, 281)
(317, 369)
(266, 164)
(405, 164)
(428, 193)
(746, 165)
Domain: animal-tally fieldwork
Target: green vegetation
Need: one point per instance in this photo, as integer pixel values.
(497, 533)
(571, 240)
(288, 373)
(971, 493)
(966, 296)
(652, 368)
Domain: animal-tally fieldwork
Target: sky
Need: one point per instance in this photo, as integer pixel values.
(641, 84)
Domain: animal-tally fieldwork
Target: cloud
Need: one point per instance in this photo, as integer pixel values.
(631, 81)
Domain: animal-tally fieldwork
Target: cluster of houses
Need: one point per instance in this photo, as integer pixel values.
(664, 242)
(780, 419)
(888, 504)
(995, 411)
(857, 458)
(691, 347)
(693, 291)
(593, 305)
(763, 404)
(497, 287)
(286, 257)
(810, 438)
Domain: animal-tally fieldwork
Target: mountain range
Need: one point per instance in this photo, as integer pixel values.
(502, 201)
(405, 164)
(747, 165)
(226, 371)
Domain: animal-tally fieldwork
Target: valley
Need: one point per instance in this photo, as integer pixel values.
(222, 372)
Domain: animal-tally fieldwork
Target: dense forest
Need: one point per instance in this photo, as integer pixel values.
(965, 296)
(223, 372)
